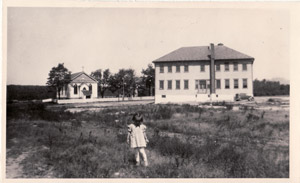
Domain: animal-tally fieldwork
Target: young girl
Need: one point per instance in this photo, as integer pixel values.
(137, 138)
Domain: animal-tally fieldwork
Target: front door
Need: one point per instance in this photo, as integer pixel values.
(202, 86)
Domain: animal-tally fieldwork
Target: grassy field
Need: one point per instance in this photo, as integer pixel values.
(185, 141)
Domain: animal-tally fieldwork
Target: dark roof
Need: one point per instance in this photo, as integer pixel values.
(77, 74)
(202, 53)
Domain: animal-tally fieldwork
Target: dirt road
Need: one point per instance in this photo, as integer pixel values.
(14, 168)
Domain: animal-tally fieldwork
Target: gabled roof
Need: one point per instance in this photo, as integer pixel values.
(202, 53)
(74, 75)
(77, 74)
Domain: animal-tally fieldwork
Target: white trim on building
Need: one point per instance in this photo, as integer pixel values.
(193, 82)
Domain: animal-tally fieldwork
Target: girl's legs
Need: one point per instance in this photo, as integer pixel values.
(143, 153)
(138, 151)
(137, 156)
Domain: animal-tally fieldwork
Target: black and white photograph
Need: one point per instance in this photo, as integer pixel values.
(117, 92)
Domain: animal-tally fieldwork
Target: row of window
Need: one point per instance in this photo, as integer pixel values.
(202, 84)
(202, 67)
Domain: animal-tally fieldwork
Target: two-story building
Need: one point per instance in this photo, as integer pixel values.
(202, 74)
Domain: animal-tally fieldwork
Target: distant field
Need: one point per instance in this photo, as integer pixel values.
(185, 141)
(96, 106)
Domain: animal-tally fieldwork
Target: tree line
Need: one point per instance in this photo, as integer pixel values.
(270, 88)
(29, 92)
(123, 83)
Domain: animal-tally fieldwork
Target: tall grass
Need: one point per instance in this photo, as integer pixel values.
(91, 144)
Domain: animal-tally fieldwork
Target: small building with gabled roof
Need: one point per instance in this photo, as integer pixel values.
(202, 74)
(81, 86)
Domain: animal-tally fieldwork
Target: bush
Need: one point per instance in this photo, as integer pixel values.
(252, 117)
(162, 112)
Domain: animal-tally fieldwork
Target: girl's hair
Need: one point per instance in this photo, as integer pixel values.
(138, 119)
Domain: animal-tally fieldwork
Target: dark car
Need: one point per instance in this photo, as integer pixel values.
(243, 96)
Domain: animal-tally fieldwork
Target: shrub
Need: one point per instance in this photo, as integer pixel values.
(252, 117)
(172, 147)
(229, 106)
(262, 114)
(162, 112)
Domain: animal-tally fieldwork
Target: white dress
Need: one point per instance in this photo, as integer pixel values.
(136, 136)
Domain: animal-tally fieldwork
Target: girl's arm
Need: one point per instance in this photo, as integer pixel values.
(128, 135)
(128, 138)
(145, 136)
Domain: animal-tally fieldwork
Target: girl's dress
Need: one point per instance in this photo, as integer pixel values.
(137, 137)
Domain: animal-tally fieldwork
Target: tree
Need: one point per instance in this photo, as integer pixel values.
(98, 76)
(266, 88)
(149, 78)
(59, 77)
(124, 82)
(103, 79)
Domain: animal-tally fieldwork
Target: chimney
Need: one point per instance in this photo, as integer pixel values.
(212, 69)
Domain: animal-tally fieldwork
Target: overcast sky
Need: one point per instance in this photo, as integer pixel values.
(115, 38)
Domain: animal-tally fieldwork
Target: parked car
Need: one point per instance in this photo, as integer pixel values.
(243, 96)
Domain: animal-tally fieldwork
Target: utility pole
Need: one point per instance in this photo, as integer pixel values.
(212, 72)
(123, 90)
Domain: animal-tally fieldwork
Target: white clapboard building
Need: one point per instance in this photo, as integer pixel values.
(82, 86)
(203, 74)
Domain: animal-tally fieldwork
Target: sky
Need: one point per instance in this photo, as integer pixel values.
(99, 38)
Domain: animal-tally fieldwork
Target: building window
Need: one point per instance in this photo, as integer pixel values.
(169, 84)
(186, 84)
(196, 84)
(218, 83)
(218, 67)
(186, 68)
(227, 84)
(161, 69)
(202, 84)
(245, 83)
(90, 87)
(161, 84)
(177, 84)
(244, 67)
(170, 68)
(202, 68)
(235, 66)
(226, 66)
(75, 90)
(208, 84)
(236, 83)
(177, 68)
